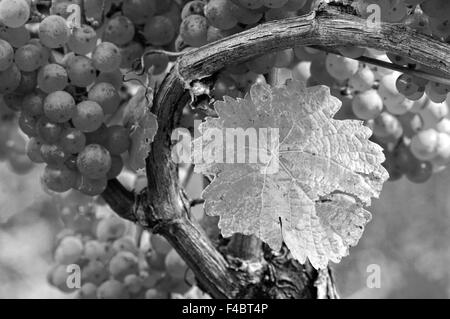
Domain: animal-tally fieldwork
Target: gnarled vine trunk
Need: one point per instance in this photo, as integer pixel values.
(243, 267)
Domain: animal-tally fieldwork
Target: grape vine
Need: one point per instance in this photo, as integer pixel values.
(66, 82)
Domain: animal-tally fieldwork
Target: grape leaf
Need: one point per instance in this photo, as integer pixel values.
(143, 126)
(328, 171)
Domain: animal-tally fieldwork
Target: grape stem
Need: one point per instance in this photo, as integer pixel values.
(162, 208)
(392, 66)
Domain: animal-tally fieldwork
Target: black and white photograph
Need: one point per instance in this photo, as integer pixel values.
(247, 151)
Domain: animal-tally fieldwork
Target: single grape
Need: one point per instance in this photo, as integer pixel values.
(302, 71)
(160, 244)
(432, 113)
(193, 30)
(94, 272)
(424, 144)
(367, 105)
(435, 93)
(219, 14)
(362, 80)
(72, 140)
(408, 86)
(110, 228)
(87, 291)
(59, 276)
(174, 14)
(421, 173)
(443, 126)
(388, 90)
(106, 57)
(100, 251)
(49, 132)
(106, 95)
(175, 265)
(442, 150)
(52, 77)
(44, 51)
(6, 55)
(28, 58)
(94, 161)
(10, 79)
(14, 13)
(122, 264)
(387, 126)
(54, 155)
(151, 278)
(133, 283)
(411, 123)
(54, 32)
(159, 30)
(112, 289)
(225, 86)
(20, 163)
(119, 30)
(82, 40)
(99, 136)
(58, 179)
(156, 261)
(403, 157)
(125, 244)
(81, 71)
(138, 11)
(69, 250)
(88, 117)
(59, 107)
(341, 68)
(17, 37)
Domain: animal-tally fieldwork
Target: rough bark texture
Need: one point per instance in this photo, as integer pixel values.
(224, 270)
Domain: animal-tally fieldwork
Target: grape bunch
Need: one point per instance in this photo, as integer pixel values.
(64, 81)
(115, 262)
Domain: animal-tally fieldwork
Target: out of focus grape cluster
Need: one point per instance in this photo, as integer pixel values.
(116, 259)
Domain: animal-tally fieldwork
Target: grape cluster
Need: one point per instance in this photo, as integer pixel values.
(64, 81)
(114, 262)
